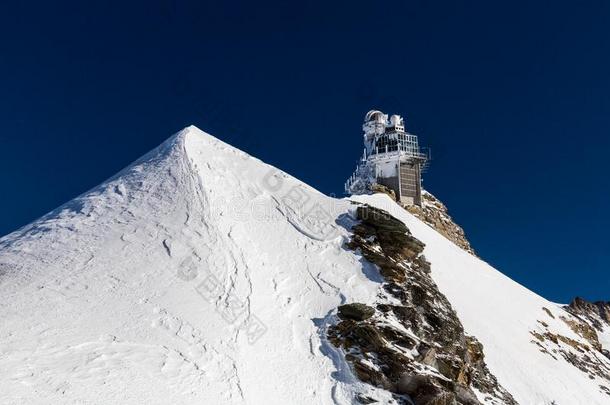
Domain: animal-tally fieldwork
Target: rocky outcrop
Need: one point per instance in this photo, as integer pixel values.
(356, 311)
(413, 343)
(434, 213)
(583, 350)
(596, 313)
(380, 188)
(589, 321)
(591, 318)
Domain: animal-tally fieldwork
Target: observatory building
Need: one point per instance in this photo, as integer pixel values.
(391, 157)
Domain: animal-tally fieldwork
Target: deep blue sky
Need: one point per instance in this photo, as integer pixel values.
(513, 98)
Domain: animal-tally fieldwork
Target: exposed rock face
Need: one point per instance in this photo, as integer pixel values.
(356, 311)
(597, 313)
(591, 318)
(586, 353)
(434, 213)
(380, 188)
(413, 345)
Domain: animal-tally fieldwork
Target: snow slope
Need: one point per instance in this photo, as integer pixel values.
(501, 313)
(202, 275)
(156, 286)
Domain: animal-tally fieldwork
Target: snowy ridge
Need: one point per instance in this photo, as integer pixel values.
(202, 275)
(189, 253)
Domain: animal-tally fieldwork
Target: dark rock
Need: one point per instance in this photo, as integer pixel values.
(395, 290)
(380, 188)
(474, 350)
(397, 337)
(465, 396)
(418, 295)
(400, 245)
(425, 390)
(363, 399)
(585, 320)
(598, 313)
(429, 358)
(380, 219)
(585, 330)
(356, 311)
(371, 376)
(451, 367)
(420, 263)
(548, 312)
(411, 384)
(434, 330)
(443, 398)
(368, 337)
(434, 213)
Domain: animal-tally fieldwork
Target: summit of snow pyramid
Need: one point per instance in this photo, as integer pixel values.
(200, 274)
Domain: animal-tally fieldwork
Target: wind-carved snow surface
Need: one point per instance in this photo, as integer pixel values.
(197, 275)
(202, 275)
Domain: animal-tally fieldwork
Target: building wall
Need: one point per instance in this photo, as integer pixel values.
(404, 179)
(410, 183)
(388, 168)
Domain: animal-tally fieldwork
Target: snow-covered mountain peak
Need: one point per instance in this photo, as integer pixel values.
(197, 273)
(200, 274)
